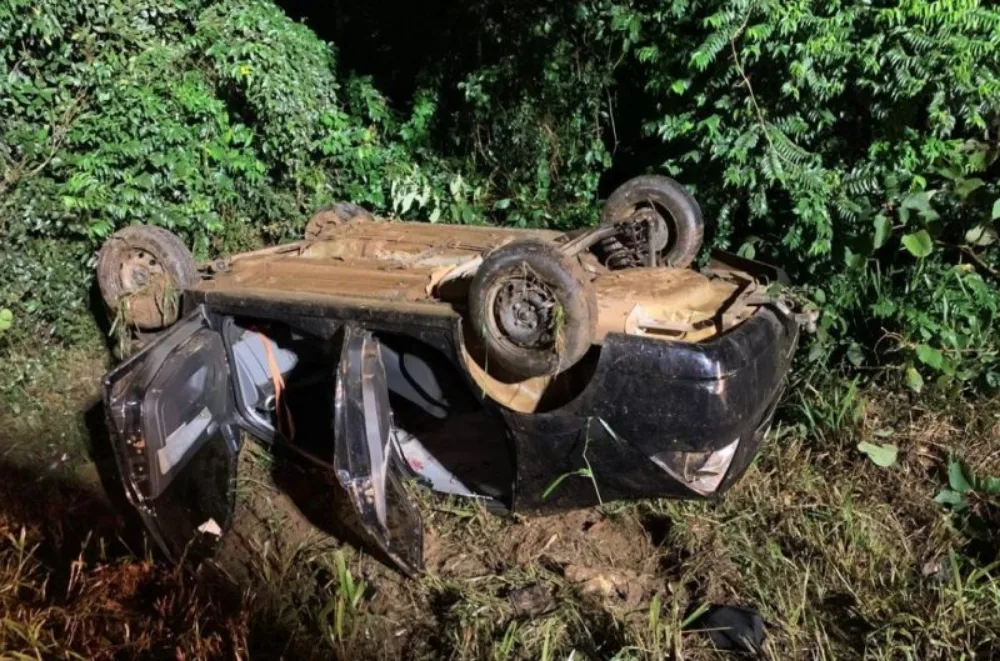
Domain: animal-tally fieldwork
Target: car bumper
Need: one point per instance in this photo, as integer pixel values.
(659, 419)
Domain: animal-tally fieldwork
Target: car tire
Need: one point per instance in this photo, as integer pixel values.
(685, 224)
(334, 215)
(141, 272)
(514, 304)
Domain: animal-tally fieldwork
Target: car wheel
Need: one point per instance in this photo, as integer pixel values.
(673, 213)
(141, 271)
(533, 308)
(332, 216)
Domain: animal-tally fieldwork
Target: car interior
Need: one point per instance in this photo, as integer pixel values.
(286, 382)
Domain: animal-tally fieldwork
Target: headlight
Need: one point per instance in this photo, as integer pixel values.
(702, 472)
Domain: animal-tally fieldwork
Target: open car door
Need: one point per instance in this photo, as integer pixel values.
(367, 460)
(174, 433)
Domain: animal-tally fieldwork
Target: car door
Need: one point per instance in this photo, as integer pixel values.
(173, 428)
(367, 459)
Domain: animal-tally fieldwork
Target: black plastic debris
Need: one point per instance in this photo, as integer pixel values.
(730, 628)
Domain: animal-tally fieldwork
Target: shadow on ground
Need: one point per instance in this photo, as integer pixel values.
(75, 554)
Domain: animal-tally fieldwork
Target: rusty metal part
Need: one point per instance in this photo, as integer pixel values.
(472, 238)
(225, 264)
(637, 240)
(678, 304)
(586, 240)
(576, 245)
(522, 396)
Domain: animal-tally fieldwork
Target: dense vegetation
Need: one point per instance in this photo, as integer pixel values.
(855, 143)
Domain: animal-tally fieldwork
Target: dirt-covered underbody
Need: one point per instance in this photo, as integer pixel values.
(487, 363)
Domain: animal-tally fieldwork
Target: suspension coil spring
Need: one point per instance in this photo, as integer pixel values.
(617, 255)
(628, 247)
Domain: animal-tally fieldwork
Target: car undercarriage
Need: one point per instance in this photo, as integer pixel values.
(486, 363)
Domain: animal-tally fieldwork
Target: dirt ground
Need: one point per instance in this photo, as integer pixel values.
(842, 558)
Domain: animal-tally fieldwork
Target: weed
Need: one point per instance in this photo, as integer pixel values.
(120, 329)
(160, 295)
(829, 411)
(341, 618)
(587, 471)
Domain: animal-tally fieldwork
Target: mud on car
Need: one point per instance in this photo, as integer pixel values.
(485, 362)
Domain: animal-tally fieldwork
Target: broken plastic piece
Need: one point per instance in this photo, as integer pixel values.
(210, 527)
(731, 628)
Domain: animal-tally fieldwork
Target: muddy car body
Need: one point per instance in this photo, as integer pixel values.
(358, 347)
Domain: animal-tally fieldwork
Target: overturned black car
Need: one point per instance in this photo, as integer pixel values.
(491, 363)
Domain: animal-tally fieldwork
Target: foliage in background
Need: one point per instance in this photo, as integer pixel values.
(225, 122)
(854, 143)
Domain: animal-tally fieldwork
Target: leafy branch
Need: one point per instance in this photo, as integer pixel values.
(17, 171)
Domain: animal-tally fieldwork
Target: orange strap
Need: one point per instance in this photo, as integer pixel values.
(281, 411)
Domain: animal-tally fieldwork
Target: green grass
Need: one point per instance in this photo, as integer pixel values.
(843, 558)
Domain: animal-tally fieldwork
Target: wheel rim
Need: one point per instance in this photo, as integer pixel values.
(146, 296)
(139, 270)
(524, 312)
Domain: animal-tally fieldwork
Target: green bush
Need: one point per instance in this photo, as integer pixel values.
(225, 122)
(854, 143)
